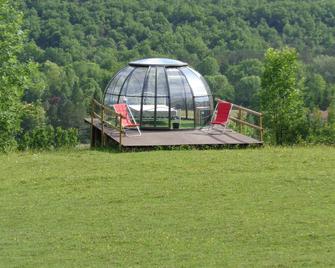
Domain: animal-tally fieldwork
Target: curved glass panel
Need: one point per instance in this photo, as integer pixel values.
(111, 99)
(135, 82)
(162, 93)
(115, 84)
(189, 114)
(197, 86)
(181, 98)
(150, 86)
(162, 88)
(177, 90)
(206, 85)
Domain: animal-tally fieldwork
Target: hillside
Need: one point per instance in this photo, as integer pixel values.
(270, 207)
(81, 44)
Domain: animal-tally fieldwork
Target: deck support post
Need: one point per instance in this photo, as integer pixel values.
(102, 126)
(92, 126)
(240, 118)
(120, 133)
(261, 133)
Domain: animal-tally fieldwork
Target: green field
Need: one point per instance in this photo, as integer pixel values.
(269, 207)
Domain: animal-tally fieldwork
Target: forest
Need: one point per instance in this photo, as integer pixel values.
(71, 49)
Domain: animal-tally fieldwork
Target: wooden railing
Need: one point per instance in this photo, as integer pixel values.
(239, 120)
(106, 115)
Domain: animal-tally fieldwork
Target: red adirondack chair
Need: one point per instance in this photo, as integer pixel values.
(221, 114)
(128, 121)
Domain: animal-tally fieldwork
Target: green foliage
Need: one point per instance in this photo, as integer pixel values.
(281, 101)
(79, 45)
(322, 131)
(65, 138)
(12, 74)
(247, 91)
(217, 37)
(32, 116)
(249, 67)
(270, 207)
(314, 91)
(323, 135)
(209, 66)
(220, 86)
(47, 137)
(322, 65)
(331, 112)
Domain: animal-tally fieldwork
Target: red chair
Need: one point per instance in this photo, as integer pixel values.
(128, 120)
(221, 114)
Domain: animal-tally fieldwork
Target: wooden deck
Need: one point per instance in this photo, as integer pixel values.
(194, 137)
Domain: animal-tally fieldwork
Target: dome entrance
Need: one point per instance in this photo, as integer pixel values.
(162, 94)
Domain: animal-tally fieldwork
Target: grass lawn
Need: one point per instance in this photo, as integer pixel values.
(269, 207)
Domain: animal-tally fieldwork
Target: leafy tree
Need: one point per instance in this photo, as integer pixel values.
(331, 113)
(249, 67)
(13, 74)
(314, 89)
(281, 100)
(246, 93)
(220, 86)
(324, 66)
(81, 44)
(33, 116)
(209, 66)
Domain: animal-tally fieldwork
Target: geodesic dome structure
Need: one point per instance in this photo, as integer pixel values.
(162, 94)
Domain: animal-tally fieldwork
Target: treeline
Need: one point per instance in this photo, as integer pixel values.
(80, 44)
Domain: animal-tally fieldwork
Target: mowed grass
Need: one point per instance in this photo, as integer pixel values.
(268, 207)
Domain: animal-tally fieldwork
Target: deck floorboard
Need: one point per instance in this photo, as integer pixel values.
(178, 137)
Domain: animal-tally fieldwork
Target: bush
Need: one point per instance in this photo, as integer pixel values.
(66, 138)
(47, 138)
(323, 135)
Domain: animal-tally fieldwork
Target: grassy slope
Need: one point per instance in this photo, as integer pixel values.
(233, 208)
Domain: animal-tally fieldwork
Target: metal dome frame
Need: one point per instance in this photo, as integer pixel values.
(159, 80)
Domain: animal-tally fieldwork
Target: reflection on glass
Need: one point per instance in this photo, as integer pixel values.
(195, 82)
(135, 83)
(115, 85)
(150, 85)
(162, 88)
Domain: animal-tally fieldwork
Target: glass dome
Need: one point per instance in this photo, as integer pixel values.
(162, 94)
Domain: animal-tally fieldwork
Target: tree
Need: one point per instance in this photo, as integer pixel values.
(280, 97)
(331, 113)
(82, 43)
(209, 66)
(246, 93)
(247, 67)
(220, 87)
(33, 116)
(314, 89)
(13, 74)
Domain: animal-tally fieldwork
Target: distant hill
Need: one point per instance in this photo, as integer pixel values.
(80, 44)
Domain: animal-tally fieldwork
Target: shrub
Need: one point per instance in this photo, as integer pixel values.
(66, 138)
(47, 138)
(323, 135)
